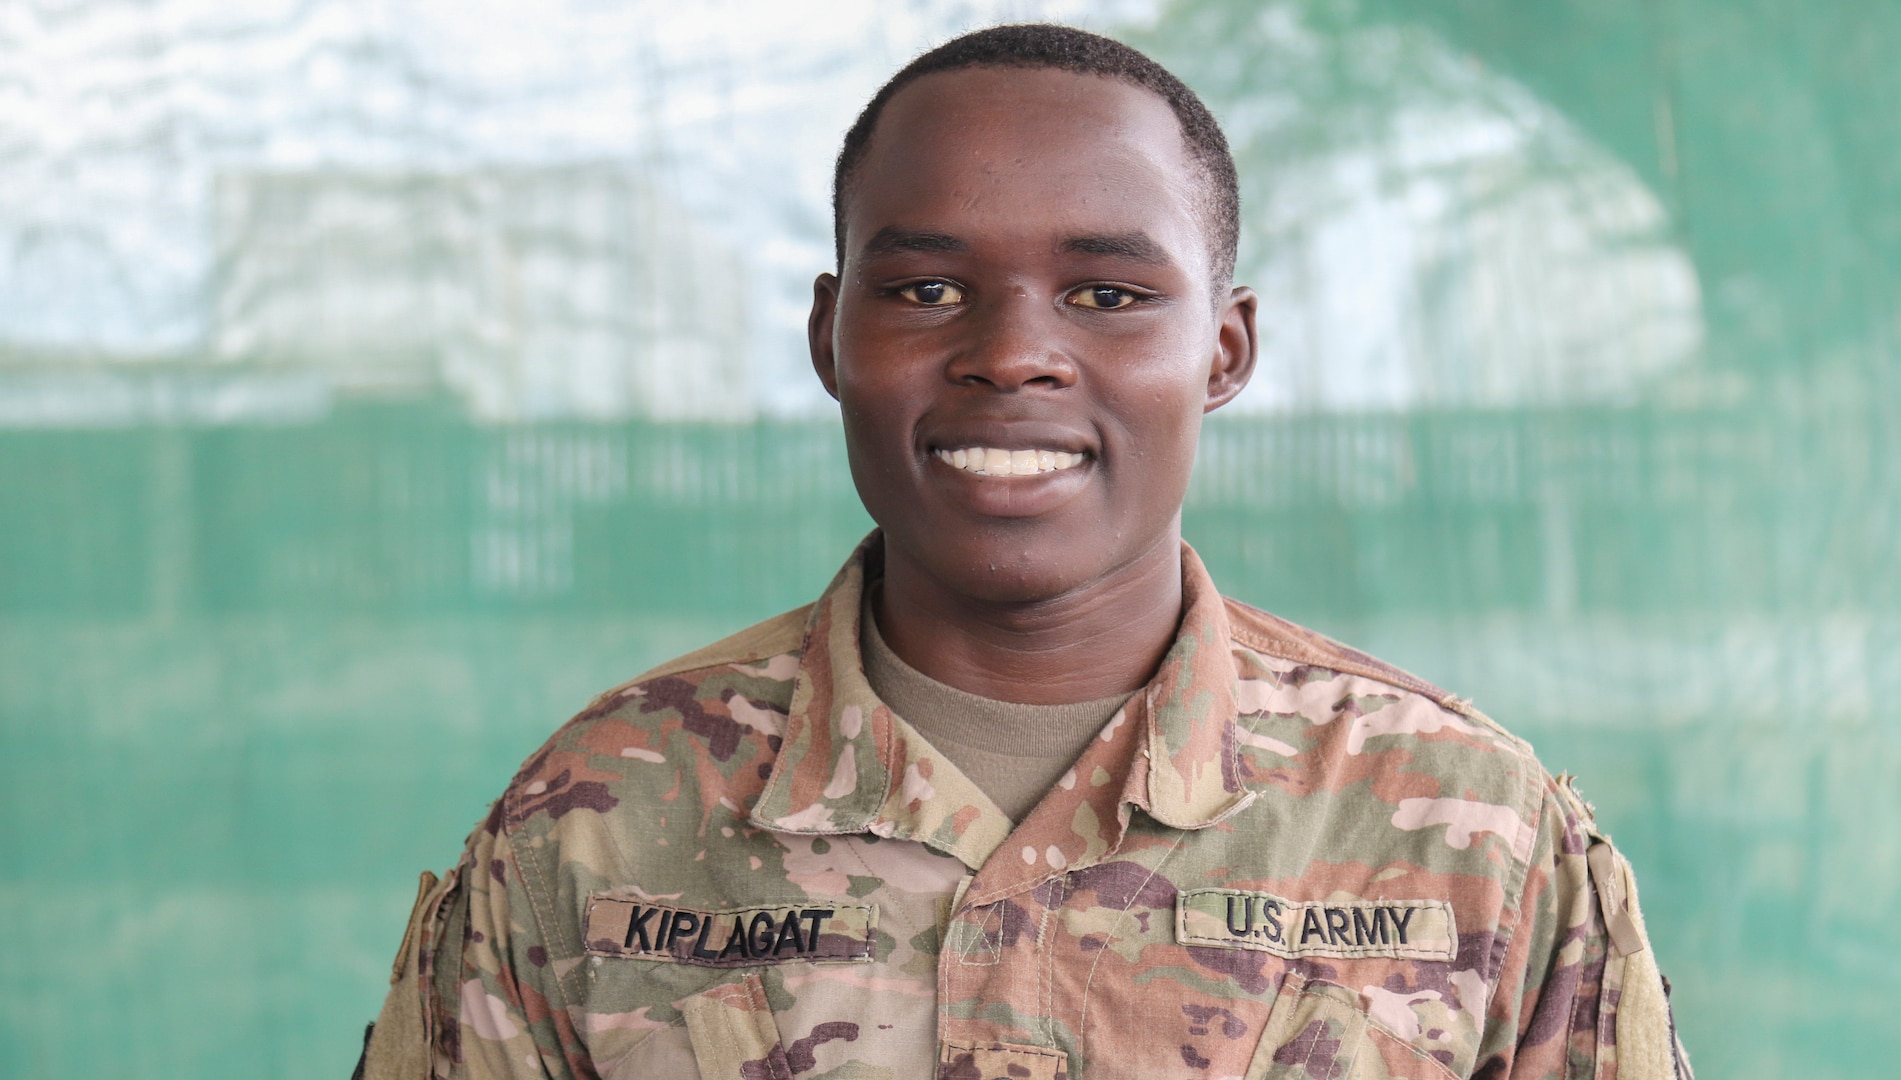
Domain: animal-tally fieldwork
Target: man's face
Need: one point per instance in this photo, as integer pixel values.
(1026, 280)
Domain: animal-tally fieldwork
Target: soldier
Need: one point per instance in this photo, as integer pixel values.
(1021, 795)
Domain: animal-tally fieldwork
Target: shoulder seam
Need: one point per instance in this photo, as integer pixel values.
(543, 919)
(1341, 659)
(1518, 743)
(1542, 800)
(760, 641)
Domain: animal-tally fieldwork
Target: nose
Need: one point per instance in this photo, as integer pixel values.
(1014, 344)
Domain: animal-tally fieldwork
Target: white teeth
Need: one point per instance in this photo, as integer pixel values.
(993, 461)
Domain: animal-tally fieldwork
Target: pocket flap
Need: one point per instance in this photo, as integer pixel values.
(1314, 1033)
(1321, 1031)
(733, 1032)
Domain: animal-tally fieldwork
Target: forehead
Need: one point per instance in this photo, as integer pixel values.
(1027, 149)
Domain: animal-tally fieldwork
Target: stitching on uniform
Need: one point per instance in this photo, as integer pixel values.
(758, 652)
(771, 787)
(1153, 748)
(984, 899)
(852, 848)
(770, 790)
(1342, 952)
(1606, 1008)
(754, 990)
(1288, 649)
(1374, 1026)
(774, 776)
(871, 928)
(679, 1022)
(1386, 675)
(946, 973)
(1449, 702)
(1045, 974)
(1522, 873)
(994, 954)
(1082, 1028)
(1348, 998)
(887, 747)
(1009, 1048)
(542, 920)
(865, 949)
(429, 936)
(1233, 740)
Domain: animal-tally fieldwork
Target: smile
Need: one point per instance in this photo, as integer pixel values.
(993, 461)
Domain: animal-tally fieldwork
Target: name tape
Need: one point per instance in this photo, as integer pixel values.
(733, 937)
(1238, 919)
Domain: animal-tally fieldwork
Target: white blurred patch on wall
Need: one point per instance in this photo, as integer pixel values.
(1460, 245)
(505, 161)
(530, 293)
(602, 212)
(93, 395)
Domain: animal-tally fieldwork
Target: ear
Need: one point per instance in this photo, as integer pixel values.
(818, 331)
(1236, 348)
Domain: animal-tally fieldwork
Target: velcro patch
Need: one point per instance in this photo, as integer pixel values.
(732, 937)
(1237, 919)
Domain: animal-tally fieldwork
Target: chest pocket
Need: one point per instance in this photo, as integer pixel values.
(729, 1035)
(733, 1033)
(1320, 1031)
(756, 1027)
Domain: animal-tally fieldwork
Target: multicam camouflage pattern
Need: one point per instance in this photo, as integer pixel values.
(1433, 911)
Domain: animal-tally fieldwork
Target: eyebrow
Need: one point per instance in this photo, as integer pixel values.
(891, 240)
(1138, 246)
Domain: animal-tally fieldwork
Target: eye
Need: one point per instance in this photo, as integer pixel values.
(1102, 297)
(932, 293)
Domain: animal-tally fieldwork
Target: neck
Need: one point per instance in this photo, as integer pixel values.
(1101, 638)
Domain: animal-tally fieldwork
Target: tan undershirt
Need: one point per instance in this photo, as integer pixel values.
(1043, 741)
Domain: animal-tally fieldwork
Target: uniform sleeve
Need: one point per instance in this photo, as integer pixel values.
(477, 972)
(1580, 996)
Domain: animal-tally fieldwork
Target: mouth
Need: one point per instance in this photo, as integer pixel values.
(997, 461)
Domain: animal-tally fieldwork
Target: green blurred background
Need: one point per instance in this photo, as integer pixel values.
(380, 380)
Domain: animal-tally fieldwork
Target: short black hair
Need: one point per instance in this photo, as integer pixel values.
(1065, 48)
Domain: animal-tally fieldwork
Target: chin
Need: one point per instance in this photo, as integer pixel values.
(1016, 584)
(1019, 569)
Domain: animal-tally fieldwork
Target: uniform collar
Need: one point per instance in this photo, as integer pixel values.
(850, 765)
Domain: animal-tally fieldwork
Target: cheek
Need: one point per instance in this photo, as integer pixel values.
(1159, 416)
(1156, 454)
(876, 379)
(1172, 363)
(874, 441)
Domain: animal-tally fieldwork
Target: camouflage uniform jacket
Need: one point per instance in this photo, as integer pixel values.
(1280, 859)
